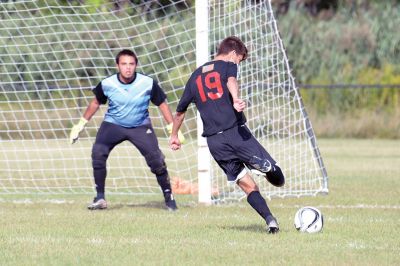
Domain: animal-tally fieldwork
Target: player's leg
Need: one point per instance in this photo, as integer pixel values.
(108, 136)
(256, 200)
(257, 158)
(249, 186)
(145, 140)
(225, 156)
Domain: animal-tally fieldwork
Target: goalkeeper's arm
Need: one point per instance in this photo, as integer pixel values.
(77, 128)
(174, 141)
(164, 108)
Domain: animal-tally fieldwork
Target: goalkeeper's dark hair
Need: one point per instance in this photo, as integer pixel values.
(126, 52)
(232, 43)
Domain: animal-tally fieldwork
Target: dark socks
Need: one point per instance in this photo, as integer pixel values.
(259, 204)
(100, 180)
(163, 181)
(100, 195)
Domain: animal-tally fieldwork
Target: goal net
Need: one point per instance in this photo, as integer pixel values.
(53, 53)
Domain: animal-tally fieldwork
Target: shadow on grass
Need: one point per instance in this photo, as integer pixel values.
(149, 205)
(159, 205)
(257, 228)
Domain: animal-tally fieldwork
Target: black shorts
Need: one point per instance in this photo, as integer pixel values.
(234, 148)
(142, 137)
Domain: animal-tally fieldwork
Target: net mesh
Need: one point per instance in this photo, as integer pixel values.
(54, 53)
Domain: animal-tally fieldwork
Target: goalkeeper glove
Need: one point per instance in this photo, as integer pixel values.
(76, 129)
(181, 137)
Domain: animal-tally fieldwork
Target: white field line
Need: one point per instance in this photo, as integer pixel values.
(354, 206)
(32, 201)
(29, 201)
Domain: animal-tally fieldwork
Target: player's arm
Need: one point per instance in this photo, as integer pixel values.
(166, 112)
(158, 98)
(233, 87)
(90, 111)
(186, 99)
(174, 141)
(92, 108)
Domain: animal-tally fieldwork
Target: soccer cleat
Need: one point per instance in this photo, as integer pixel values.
(273, 176)
(98, 204)
(262, 165)
(256, 172)
(170, 202)
(272, 225)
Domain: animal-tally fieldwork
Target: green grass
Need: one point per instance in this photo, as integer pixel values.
(362, 220)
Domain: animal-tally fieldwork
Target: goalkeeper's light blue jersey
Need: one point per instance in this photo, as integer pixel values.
(128, 103)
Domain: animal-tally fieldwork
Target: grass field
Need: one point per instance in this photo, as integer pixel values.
(362, 221)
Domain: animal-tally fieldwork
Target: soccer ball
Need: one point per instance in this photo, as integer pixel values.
(308, 220)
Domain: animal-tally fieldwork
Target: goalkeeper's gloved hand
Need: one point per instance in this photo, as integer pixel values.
(76, 129)
(181, 137)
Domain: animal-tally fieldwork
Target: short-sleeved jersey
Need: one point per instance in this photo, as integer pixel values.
(207, 88)
(128, 104)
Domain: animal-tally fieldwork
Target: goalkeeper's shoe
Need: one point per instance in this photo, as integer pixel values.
(98, 204)
(272, 225)
(170, 202)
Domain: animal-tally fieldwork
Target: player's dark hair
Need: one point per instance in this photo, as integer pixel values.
(126, 52)
(232, 43)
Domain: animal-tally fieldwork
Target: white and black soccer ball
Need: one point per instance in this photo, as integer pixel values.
(308, 220)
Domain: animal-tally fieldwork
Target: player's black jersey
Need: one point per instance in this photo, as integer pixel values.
(207, 88)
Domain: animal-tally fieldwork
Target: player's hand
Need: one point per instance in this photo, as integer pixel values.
(239, 105)
(76, 129)
(180, 135)
(174, 143)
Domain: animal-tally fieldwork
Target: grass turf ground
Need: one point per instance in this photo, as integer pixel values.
(361, 213)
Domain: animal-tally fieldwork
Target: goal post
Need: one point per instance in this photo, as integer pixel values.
(202, 56)
(53, 53)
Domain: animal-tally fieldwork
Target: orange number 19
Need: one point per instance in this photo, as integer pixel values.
(212, 81)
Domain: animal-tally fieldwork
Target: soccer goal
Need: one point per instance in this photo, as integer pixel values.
(53, 53)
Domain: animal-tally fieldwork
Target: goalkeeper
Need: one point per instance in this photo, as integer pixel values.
(214, 89)
(128, 94)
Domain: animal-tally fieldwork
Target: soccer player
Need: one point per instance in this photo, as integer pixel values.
(128, 94)
(214, 89)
